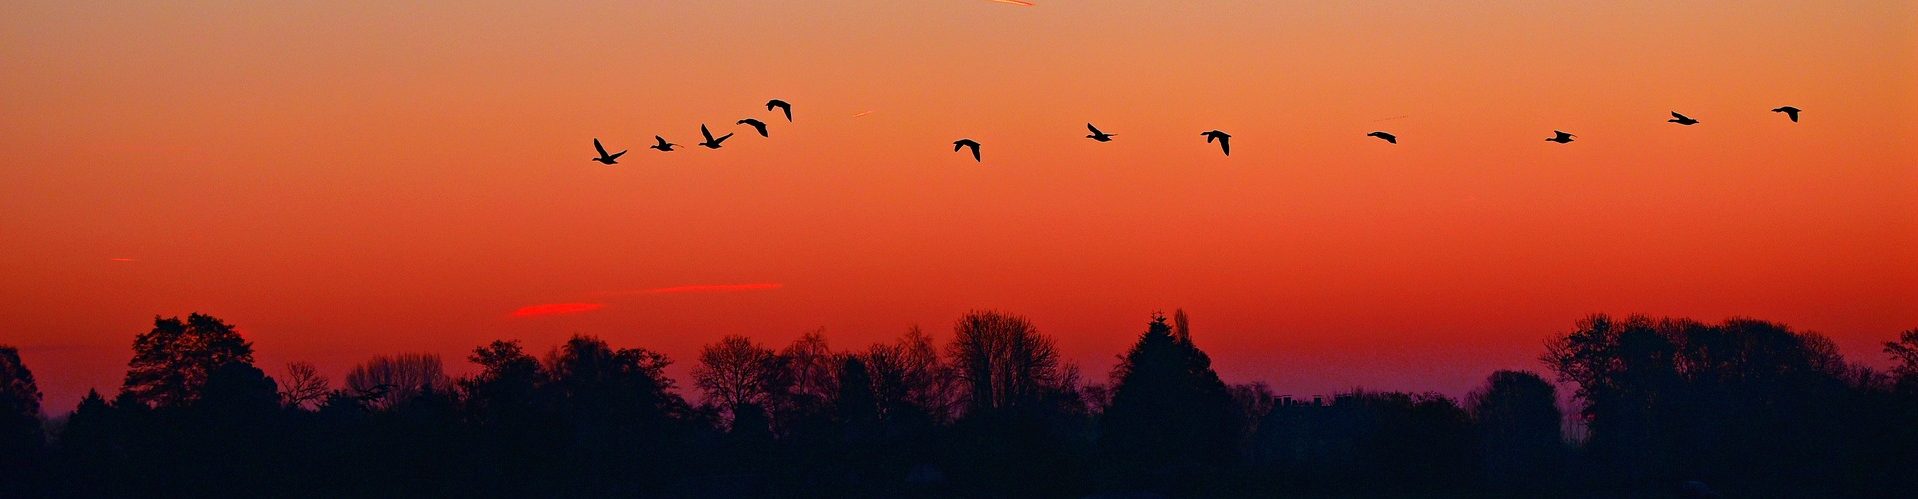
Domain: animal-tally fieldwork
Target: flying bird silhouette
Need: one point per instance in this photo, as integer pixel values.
(711, 143)
(606, 159)
(1098, 135)
(1222, 137)
(663, 145)
(757, 125)
(1682, 119)
(782, 105)
(1386, 136)
(1789, 111)
(1560, 137)
(967, 143)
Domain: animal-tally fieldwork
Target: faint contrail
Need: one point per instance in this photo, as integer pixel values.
(862, 114)
(1021, 3)
(120, 259)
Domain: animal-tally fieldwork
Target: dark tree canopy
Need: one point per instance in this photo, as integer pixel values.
(1675, 399)
(1170, 413)
(1003, 361)
(738, 374)
(171, 363)
(1904, 358)
(21, 439)
(19, 394)
(591, 377)
(387, 380)
(1667, 408)
(1520, 441)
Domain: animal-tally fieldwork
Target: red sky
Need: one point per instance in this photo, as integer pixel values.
(343, 180)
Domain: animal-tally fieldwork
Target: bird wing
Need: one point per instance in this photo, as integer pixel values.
(1679, 116)
(707, 133)
(975, 151)
(1225, 146)
(662, 140)
(600, 148)
(617, 155)
(722, 138)
(1094, 129)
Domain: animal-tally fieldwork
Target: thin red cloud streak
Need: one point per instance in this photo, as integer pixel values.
(556, 309)
(717, 288)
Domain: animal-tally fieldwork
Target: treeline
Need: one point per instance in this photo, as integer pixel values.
(1668, 408)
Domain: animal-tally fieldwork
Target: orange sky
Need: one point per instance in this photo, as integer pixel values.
(346, 179)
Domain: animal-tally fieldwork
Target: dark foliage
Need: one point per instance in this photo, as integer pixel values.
(22, 441)
(1668, 408)
(1172, 424)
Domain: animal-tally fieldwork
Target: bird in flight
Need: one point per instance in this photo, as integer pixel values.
(606, 159)
(1384, 136)
(1560, 137)
(712, 143)
(663, 145)
(1789, 111)
(757, 125)
(1098, 135)
(1222, 137)
(782, 106)
(1682, 119)
(974, 144)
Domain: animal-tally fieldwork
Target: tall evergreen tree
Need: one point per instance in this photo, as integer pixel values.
(1170, 416)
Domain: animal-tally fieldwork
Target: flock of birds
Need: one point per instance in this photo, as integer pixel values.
(1211, 136)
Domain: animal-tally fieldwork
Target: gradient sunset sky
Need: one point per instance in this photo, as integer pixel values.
(343, 179)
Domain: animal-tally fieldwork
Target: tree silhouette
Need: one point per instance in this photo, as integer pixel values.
(1021, 406)
(1369, 443)
(908, 376)
(172, 361)
(855, 404)
(1003, 362)
(621, 411)
(1904, 358)
(302, 386)
(1751, 408)
(1520, 441)
(1171, 417)
(504, 391)
(1251, 402)
(592, 378)
(808, 378)
(385, 381)
(21, 437)
(1672, 400)
(240, 389)
(736, 375)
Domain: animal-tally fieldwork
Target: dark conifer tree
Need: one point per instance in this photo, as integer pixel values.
(1171, 418)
